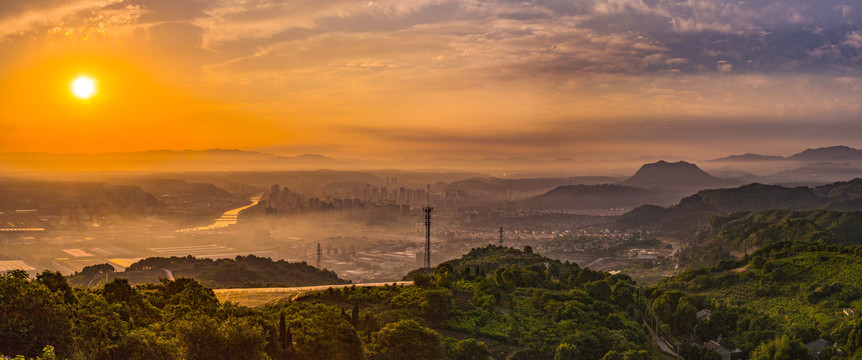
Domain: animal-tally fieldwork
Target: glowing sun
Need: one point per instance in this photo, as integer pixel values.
(83, 87)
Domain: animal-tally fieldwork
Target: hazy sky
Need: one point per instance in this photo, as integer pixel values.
(427, 78)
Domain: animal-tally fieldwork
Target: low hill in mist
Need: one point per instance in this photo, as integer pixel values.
(593, 197)
(494, 184)
(818, 172)
(164, 160)
(677, 176)
(749, 157)
(55, 197)
(176, 187)
(831, 153)
(242, 271)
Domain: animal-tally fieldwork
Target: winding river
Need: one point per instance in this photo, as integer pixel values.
(227, 219)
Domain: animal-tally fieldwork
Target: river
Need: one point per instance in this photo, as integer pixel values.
(227, 219)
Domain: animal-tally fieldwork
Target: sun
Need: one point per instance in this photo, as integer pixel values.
(83, 87)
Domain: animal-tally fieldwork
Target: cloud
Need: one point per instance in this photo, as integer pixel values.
(465, 64)
(578, 36)
(854, 39)
(19, 17)
(584, 137)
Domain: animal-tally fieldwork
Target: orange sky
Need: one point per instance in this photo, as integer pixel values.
(390, 79)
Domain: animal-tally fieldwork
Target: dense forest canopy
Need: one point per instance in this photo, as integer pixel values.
(495, 302)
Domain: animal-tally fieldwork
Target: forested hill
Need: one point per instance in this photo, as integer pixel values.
(770, 303)
(526, 307)
(732, 235)
(695, 211)
(495, 302)
(242, 271)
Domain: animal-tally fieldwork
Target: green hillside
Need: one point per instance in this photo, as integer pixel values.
(695, 211)
(730, 236)
(518, 305)
(242, 271)
(794, 288)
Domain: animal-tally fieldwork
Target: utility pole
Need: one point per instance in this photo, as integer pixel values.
(319, 254)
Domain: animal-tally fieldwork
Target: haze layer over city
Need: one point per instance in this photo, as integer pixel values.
(266, 148)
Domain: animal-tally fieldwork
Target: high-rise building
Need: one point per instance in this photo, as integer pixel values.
(274, 196)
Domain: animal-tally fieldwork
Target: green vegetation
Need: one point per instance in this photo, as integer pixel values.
(693, 212)
(772, 301)
(495, 301)
(729, 236)
(242, 271)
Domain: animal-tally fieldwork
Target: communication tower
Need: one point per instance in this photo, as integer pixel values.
(319, 254)
(427, 210)
(501, 236)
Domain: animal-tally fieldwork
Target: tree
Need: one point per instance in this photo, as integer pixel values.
(423, 280)
(57, 283)
(18, 274)
(782, 348)
(118, 290)
(354, 316)
(444, 274)
(553, 272)
(469, 349)
(320, 332)
(599, 290)
(31, 316)
(200, 339)
(145, 344)
(243, 339)
(97, 269)
(854, 339)
(436, 305)
(566, 351)
(406, 339)
(613, 355)
(99, 327)
(685, 317)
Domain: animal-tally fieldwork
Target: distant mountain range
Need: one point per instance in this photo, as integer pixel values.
(492, 184)
(667, 182)
(829, 153)
(243, 160)
(749, 157)
(696, 210)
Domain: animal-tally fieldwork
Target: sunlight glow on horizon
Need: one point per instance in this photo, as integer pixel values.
(83, 87)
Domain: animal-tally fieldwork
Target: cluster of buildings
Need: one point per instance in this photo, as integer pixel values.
(398, 201)
(374, 265)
